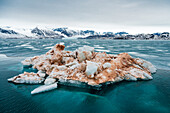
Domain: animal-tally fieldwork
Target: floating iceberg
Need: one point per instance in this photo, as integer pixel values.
(28, 78)
(44, 88)
(82, 67)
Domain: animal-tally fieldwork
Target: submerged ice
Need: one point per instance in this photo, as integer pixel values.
(82, 66)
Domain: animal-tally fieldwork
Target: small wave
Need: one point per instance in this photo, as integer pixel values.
(17, 46)
(86, 42)
(31, 47)
(26, 44)
(126, 46)
(141, 55)
(23, 45)
(139, 48)
(3, 56)
(111, 46)
(72, 45)
(5, 47)
(97, 46)
(100, 47)
(48, 47)
(102, 50)
(168, 64)
(150, 47)
(62, 43)
(161, 50)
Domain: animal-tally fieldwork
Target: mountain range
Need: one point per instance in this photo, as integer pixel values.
(66, 33)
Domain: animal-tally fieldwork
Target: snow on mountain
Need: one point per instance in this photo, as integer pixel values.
(45, 33)
(5, 33)
(75, 33)
(23, 31)
(37, 32)
(66, 33)
(108, 33)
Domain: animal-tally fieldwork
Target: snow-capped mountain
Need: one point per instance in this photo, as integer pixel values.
(75, 33)
(7, 31)
(29, 33)
(39, 32)
(66, 33)
(4, 33)
(43, 33)
(57, 33)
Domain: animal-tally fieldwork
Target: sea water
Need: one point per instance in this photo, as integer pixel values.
(125, 97)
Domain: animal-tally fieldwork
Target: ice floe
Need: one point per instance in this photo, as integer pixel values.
(44, 88)
(82, 66)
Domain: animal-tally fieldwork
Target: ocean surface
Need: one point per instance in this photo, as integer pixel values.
(125, 97)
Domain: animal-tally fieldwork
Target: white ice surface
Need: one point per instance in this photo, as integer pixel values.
(49, 81)
(44, 88)
(91, 68)
(106, 65)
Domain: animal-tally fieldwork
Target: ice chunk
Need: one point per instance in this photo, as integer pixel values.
(109, 71)
(27, 62)
(75, 66)
(44, 88)
(106, 65)
(118, 79)
(84, 53)
(58, 73)
(140, 74)
(81, 56)
(147, 65)
(148, 76)
(91, 68)
(28, 78)
(61, 68)
(11, 79)
(49, 81)
(41, 73)
(130, 77)
(71, 63)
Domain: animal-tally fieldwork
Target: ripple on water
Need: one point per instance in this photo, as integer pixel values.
(3, 56)
(62, 43)
(48, 47)
(99, 47)
(142, 55)
(161, 50)
(26, 45)
(101, 50)
(142, 96)
(31, 47)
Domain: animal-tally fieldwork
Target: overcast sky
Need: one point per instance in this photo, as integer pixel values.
(134, 16)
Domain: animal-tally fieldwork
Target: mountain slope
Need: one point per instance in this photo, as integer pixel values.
(42, 33)
(66, 33)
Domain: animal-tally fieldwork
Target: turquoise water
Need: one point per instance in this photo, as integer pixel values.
(124, 97)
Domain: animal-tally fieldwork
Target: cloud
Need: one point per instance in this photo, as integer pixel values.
(86, 13)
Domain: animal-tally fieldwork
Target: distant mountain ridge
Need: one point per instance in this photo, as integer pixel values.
(66, 33)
